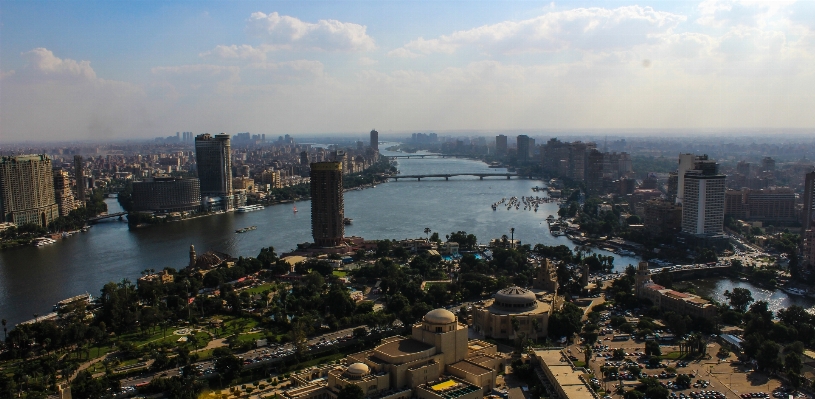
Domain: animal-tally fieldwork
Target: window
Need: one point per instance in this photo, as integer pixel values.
(438, 329)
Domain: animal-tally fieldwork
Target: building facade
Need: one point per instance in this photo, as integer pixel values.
(662, 217)
(63, 195)
(808, 219)
(27, 190)
(375, 140)
(703, 202)
(167, 194)
(327, 206)
(79, 176)
(501, 145)
(776, 204)
(667, 299)
(214, 163)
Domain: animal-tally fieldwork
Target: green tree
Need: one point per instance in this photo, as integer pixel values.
(739, 298)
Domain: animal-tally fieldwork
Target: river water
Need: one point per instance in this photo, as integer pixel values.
(714, 288)
(33, 279)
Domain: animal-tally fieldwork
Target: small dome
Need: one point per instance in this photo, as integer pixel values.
(440, 316)
(515, 297)
(358, 369)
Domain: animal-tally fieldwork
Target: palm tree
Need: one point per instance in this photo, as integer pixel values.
(427, 232)
(587, 352)
(535, 327)
(512, 232)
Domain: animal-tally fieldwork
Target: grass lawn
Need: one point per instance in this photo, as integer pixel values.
(340, 273)
(580, 363)
(259, 289)
(673, 356)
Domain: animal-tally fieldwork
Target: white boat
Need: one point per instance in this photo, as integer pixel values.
(42, 241)
(249, 208)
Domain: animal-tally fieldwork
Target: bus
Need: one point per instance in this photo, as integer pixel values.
(622, 337)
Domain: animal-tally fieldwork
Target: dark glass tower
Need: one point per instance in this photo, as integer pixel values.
(327, 207)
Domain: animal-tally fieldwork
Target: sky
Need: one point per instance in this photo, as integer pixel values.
(98, 70)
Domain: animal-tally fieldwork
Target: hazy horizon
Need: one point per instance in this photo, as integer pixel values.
(112, 71)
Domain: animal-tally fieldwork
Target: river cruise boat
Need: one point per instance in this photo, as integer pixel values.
(250, 208)
(245, 229)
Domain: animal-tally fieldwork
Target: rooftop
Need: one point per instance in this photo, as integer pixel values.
(402, 347)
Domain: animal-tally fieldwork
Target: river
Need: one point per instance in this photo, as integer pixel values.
(33, 279)
(714, 288)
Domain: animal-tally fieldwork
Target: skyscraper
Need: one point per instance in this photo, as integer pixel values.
(703, 203)
(27, 190)
(685, 164)
(523, 148)
(501, 145)
(79, 174)
(212, 154)
(808, 213)
(375, 140)
(327, 207)
(62, 192)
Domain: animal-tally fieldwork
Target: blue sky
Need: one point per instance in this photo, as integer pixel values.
(100, 70)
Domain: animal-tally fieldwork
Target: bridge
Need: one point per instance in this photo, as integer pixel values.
(426, 156)
(447, 176)
(96, 219)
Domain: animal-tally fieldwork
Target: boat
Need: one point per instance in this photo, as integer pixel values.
(249, 208)
(43, 241)
(295, 209)
(347, 221)
(245, 229)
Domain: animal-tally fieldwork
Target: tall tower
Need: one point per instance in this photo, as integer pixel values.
(79, 173)
(192, 256)
(685, 164)
(327, 207)
(703, 203)
(27, 190)
(642, 276)
(62, 192)
(375, 140)
(501, 145)
(212, 154)
(523, 148)
(808, 213)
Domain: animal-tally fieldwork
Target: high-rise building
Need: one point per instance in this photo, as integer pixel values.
(63, 195)
(703, 203)
(501, 145)
(327, 207)
(27, 190)
(808, 247)
(212, 154)
(808, 213)
(685, 164)
(523, 148)
(375, 140)
(79, 176)
(167, 194)
(775, 204)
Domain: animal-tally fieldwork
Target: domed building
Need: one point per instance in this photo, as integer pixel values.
(436, 362)
(493, 318)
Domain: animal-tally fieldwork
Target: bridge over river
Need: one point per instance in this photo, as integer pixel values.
(106, 216)
(447, 176)
(425, 156)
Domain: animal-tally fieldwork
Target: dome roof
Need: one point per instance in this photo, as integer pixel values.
(515, 295)
(358, 369)
(440, 316)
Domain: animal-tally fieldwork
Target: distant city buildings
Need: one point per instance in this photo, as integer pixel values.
(327, 206)
(27, 190)
(214, 164)
(703, 189)
(167, 194)
(523, 143)
(775, 204)
(808, 212)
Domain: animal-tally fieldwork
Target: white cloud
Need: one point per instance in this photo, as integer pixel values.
(242, 52)
(580, 29)
(285, 32)
(43, 62)
(59, 97)
(366, 61)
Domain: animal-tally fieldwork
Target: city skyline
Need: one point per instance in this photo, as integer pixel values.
(98, 71)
